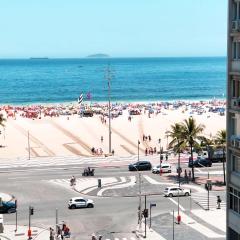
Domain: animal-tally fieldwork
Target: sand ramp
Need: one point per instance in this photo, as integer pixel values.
(44, 148)
(76, 139)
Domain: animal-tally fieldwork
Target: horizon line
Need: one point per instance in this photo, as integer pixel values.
(109, 57)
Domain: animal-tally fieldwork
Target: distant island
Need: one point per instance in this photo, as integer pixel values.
(38, 58)
(99, 55)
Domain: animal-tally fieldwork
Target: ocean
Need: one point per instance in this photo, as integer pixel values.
(27, 81)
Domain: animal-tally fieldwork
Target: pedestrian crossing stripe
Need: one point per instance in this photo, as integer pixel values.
(202, 200)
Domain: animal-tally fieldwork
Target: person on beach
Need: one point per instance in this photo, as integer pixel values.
(146, 151)
(149, 138)
(101, 139)
(143, 137)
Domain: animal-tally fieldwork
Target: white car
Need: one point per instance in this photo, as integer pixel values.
(80, 202)
(175, 191)
(165, 167)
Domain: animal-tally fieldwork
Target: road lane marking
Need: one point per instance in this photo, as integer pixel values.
(180, 206)
(14, 178)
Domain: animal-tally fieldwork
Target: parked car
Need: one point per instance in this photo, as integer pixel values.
(141, 165)
(165, 167)
(200, 162)
(80, 202)
(175, 191)
(8, 207)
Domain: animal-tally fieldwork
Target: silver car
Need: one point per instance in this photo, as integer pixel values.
(80, 202)
(176, 191)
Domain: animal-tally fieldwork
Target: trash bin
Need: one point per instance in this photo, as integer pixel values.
(99, 183)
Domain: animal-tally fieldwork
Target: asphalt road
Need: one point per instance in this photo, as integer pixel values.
(111, 217)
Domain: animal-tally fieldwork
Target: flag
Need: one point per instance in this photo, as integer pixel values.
(80, 99)
(89, 96)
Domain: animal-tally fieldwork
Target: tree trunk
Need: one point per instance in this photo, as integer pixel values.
(193, 177)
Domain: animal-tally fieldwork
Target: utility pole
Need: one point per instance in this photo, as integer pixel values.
(56, 220)
(160, 156)
(173, 224)
(145, 209)
(28, 146)
(109, 78)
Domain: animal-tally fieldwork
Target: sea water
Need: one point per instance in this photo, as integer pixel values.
(26, 81)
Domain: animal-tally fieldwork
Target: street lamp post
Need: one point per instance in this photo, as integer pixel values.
(160, 156)
(208, 185)
(140, 192)
(109, 78)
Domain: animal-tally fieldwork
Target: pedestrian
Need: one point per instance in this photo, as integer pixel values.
(94, 237)
(166, 156)
(113, 152)
(219, 200)
(100, 237)
(189, 174)
(51, 234)
(146, 151)
(155, 150)
(143, 137)
(101, 139)
(185, 175)
(149, 138)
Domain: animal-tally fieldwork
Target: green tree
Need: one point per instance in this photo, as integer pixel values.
(221, 139)
(177, 142)
(192, 135)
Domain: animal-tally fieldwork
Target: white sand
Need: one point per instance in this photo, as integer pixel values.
(76, 136)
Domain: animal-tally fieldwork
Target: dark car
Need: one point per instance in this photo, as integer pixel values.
(200, 162)
(8, 207)
(141, 165)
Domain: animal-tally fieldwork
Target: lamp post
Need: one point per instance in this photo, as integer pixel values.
(208, 185)
(160, 157)
(109, 78)
(140, 192)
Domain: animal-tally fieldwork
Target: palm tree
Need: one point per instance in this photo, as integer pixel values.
(221, 141)
(176, 142)
(191, 135)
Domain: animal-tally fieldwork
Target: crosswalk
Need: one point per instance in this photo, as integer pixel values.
(87, 185)
(202, 200)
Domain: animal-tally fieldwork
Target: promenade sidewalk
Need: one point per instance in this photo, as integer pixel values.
(21, 233)
(199, 224)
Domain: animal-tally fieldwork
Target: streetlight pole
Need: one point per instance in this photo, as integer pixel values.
(140, 193)
(160, 156)
(28, 146)
(109, 78)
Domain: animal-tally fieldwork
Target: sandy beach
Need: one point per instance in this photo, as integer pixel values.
(61, 134)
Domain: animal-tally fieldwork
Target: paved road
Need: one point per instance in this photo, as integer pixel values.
(112, 217)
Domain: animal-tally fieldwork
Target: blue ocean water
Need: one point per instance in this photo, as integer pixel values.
(134, 79)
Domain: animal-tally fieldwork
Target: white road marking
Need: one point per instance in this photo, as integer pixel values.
(180, 206)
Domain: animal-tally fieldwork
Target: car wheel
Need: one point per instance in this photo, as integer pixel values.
(170, 195)
(11, 210)
(90, 205)
(73, 207)
(186, 194)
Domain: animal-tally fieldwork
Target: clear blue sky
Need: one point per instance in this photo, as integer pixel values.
(76, 28)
